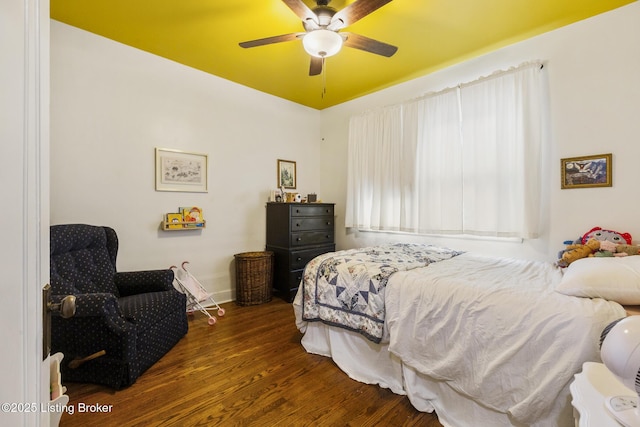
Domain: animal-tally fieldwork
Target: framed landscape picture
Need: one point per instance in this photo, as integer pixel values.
(181, 171)
(286, 174)
(586, 171)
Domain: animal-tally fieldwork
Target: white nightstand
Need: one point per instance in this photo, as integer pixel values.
(589, 390)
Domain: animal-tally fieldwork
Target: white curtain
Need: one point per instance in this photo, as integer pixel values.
(432, 124)
(502, 160)
(462, 161)
(374, 177)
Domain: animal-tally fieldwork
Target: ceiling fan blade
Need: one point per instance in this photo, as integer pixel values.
(301, 10)
(271, 40)
(357, 41)
(354, 12)
(316, 66)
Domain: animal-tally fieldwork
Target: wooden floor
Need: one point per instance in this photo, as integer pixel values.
(248, 370)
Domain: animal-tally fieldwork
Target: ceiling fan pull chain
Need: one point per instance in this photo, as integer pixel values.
(324, 78)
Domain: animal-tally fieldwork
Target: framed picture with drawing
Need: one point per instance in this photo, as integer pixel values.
(286, 174)
(586, 171)
(178, 170)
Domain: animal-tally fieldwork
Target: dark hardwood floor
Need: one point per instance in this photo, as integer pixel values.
(249, 370)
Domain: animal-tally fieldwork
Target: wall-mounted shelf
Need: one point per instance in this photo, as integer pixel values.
(182, 225)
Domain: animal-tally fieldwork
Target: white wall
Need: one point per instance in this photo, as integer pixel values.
(112, 104)
(593, 71)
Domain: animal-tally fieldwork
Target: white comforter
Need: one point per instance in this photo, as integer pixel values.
(495, 330)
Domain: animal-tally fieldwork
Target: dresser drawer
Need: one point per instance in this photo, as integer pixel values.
(311, 238)
(298, 259)
(312, 223)
(295, 277)
(311, 210)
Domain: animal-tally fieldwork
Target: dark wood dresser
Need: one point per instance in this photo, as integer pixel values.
(297, 233)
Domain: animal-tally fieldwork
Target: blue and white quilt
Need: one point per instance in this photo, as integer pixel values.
(346, 288)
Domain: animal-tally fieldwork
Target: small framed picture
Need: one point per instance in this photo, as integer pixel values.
(181, 171)
(586, 171)
(286, 174)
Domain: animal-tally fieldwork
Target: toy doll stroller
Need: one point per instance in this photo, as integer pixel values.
(197, 296)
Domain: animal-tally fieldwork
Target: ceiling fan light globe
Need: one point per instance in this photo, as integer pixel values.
(322, 43)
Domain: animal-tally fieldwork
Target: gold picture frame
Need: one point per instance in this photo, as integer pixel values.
(178, 170)
(286, 174)
(586, 171)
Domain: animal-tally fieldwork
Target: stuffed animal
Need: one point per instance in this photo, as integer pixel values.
(612, 243)
(609, 235)
(628, 249)
(578, 251)
(607, 249)
(619, 250)
(609, 242)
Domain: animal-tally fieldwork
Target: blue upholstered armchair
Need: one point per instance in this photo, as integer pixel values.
(135, 317)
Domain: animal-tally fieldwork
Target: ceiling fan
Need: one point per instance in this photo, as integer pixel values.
(322, 37)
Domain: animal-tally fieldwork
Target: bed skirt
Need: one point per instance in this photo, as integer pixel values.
(370, 363)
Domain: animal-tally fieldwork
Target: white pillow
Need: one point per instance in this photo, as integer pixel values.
(612, 278)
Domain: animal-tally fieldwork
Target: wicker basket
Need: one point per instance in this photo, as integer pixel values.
(254, 277)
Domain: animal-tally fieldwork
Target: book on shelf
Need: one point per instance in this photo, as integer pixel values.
(174, 221)
(192, 216)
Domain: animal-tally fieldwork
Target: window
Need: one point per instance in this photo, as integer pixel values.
(466, 160)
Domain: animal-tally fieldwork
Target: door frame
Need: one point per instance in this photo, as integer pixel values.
(24, 187)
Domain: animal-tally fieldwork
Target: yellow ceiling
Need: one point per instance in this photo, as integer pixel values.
(430, 34)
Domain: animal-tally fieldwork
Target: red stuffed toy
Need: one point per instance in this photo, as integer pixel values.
(606, 235)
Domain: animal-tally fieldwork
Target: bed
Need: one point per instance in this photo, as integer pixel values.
(483, 341)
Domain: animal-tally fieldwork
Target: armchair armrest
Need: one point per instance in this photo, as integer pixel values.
(139, 282)
(97, 309)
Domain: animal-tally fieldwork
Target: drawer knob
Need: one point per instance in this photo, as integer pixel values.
(299, 239)
(299, 259)
(297, 224)
(328, 222)
(297, 210)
